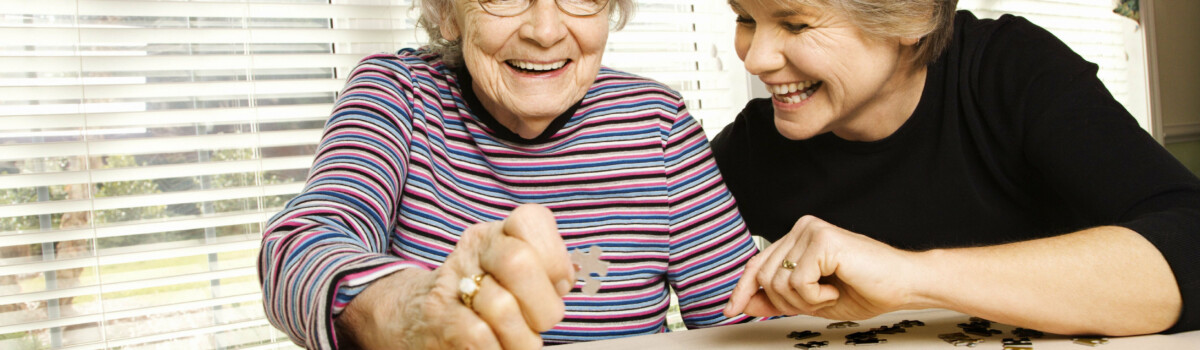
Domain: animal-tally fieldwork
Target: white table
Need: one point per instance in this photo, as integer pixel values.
(773, 335)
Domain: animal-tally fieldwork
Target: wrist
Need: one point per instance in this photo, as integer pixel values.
(930, 270)
(371, 319)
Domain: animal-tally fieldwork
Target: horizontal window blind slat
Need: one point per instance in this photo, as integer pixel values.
(41, 208)
(185, 306)
(10, 240)
(39, 7)
(49, 295)
(156, 8)
(276, 190)
(112, 203)
(168, 171)
(282, 163)
(55, 323)
(37, 267)
(181, 224)
(187, 333)
(319, 11)
(45, 179)
(173, 144)
(291, 137)
(180, 279)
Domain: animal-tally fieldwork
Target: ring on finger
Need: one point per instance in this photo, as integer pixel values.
(787, 264)
(468, 287)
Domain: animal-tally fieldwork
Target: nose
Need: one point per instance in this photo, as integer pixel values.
(764, 54)
(544, 23)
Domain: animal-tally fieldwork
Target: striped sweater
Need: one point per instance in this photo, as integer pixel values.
(408, 161)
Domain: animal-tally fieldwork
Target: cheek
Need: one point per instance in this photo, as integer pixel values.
(741, 43)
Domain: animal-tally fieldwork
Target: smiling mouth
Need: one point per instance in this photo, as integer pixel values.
(794, 92)
(536, 68)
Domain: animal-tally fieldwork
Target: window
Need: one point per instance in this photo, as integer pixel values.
(143, 144)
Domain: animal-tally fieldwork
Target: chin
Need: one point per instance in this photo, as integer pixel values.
(796, 131)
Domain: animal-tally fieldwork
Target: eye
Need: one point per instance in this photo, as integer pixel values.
(794, 27)
(743, 20)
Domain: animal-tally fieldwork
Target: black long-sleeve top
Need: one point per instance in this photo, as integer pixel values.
(1015, 138)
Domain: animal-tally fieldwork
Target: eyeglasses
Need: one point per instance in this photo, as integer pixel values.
(508, 8)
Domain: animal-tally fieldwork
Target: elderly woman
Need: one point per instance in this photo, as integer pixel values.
(915, 157)
(452, 182)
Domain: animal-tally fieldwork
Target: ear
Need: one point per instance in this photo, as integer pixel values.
(909, 40)
(449, 25)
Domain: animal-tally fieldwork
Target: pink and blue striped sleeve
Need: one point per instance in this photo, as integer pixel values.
(709, 244)
(331, 241)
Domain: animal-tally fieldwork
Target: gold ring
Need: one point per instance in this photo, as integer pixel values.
(468, 287)
(788, 264)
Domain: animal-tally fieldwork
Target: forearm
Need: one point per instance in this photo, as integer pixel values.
(1107, 280)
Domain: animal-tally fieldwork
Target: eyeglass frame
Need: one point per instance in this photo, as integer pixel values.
(529, 5)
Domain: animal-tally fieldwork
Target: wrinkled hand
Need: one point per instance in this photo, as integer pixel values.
(528, 271)
(838, 275)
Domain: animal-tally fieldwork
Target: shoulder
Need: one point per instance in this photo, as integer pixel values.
(612, 83)
(408, 64)
(1011, 43)
(755, 119)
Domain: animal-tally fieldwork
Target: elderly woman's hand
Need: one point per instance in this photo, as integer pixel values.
(823, 270)
(525, 273)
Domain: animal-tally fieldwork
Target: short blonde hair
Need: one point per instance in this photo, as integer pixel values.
(930, 20)
(434, 11)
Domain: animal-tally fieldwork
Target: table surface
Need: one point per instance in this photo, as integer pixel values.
(773, 335)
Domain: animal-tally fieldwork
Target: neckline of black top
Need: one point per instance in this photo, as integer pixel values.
(499, 130)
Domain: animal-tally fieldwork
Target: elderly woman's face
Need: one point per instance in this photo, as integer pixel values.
(824, 74)
(529, 68)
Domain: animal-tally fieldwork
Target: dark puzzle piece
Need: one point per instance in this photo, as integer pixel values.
(872, 341)
(844, 324)
(960, 339)
(888, 330)
(1090, 341)
(1027, 333)
(803, 335)
(979, 326)
(910, 323)
(1017, 344)
(813, 344)
(863, 338)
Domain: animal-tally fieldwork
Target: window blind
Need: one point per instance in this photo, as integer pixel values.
(143, 144)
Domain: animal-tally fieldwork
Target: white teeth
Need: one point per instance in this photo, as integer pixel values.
(784, 92)
(784, 89)
(537, 66)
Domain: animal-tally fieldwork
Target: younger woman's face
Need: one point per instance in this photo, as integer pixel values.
(824, 73)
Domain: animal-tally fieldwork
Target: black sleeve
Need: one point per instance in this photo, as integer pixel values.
(1090, 151)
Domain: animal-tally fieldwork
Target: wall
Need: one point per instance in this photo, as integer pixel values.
(1176, 36)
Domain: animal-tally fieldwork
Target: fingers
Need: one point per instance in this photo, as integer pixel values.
(806, 280)
(468, 330)
(746, 287)
(535, 225)
(498, 307)
(798, 289)
(518, 269)
(758, 305)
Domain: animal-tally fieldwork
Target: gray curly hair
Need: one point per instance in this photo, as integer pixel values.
(931, 20)
(434, 11)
